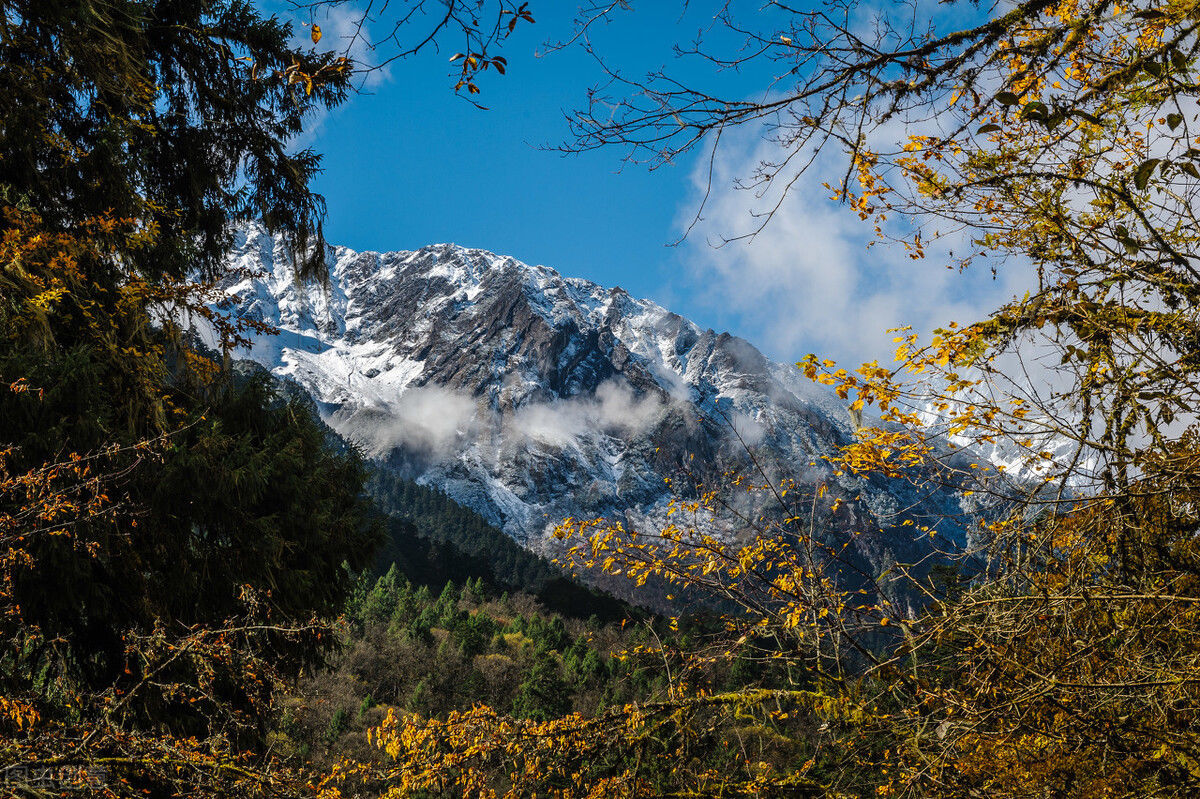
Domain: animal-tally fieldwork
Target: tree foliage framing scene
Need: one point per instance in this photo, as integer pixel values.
(209, 586)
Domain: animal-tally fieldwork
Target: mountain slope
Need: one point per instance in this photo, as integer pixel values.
(529, 397)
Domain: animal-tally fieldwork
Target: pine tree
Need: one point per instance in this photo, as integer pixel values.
(544, 694)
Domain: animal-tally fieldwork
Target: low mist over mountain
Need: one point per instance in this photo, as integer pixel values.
(529, 397)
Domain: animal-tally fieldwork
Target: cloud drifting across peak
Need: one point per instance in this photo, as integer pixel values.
(428, 419)
(438, 421)
(613, 409)
(808, 281)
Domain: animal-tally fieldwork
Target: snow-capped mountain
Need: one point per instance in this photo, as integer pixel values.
(530, 397)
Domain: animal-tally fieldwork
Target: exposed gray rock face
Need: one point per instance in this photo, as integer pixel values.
(530, 397)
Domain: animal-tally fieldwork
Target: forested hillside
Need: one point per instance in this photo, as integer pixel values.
(433, 540)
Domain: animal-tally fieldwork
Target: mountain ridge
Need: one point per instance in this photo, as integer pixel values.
(528, 397)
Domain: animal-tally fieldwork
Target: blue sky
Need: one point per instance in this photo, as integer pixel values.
(408, 163)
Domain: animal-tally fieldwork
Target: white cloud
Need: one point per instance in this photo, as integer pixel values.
(345, 30)
(612, 409)
(429, 419)
(748, 429)
(808, 281)
(440, 422)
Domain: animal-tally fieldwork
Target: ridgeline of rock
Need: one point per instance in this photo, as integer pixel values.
(529, 397)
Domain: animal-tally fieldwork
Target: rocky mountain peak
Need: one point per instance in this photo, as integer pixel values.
(529, 396)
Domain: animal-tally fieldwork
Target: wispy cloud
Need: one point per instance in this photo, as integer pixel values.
(346, 29)
(613, 409)
(429, 419)
(440, 422)
(810, 280)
